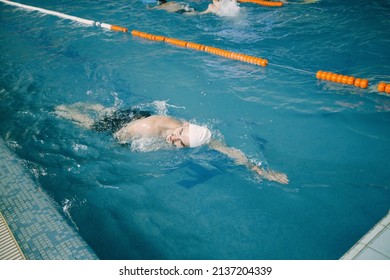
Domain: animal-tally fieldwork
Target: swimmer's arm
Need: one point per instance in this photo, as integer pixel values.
(240, 159)
(125, 134)
(205, 12)
(149, 7)
(209, 10)
(237, 155)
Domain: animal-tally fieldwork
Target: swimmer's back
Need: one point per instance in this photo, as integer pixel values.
(153, 126)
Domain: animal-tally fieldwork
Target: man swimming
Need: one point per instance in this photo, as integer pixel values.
(183, 8)
(173, 7)
(131, 124)
(212, 8)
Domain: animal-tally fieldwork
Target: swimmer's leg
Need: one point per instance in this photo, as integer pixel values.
(72, 114)
(83, 114)
(98, 109)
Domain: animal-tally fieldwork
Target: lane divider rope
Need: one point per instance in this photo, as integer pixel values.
(384, 87)
(190, 45)
(321, 75)
(263, 3)
(342, 79)
(65, 16)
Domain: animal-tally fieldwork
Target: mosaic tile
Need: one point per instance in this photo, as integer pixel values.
(41, 231)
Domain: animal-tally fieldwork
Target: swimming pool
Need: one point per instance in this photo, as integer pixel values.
(332, 140)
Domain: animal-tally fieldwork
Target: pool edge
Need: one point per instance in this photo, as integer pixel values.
(37, 225)
(370, 246)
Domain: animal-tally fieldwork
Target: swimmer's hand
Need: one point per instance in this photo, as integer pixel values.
(272, 175)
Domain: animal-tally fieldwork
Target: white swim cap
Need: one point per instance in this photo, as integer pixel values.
(198, 135)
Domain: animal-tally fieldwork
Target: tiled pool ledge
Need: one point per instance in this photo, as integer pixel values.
(375, 245)
(39, 228)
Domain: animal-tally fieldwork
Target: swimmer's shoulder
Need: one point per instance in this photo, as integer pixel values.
(157, 120)
(163, 120)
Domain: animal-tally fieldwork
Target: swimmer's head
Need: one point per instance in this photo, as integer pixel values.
(159, 2)
(189, 135)
(198, 135)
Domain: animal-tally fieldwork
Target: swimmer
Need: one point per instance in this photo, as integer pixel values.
(213, 8)
(131, 124)
(228, 8)
(173, 7)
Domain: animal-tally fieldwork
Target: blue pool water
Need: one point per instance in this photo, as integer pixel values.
(333, 141)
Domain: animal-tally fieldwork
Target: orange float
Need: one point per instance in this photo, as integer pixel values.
(216, 51)
(159, 38)
(142, 34)
(210, 49)
(263, 3)
(135, 32)
(262, 62)
(342, 79)
(383, 87)
(176, 42)
(195, 46)
(364, 83)
(119, 28)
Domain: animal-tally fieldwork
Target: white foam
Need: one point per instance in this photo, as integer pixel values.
(163, 105)
(149, 144)
(77, 147)
(229, 8)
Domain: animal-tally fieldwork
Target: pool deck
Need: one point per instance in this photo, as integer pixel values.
(375, 245)
(32, 219)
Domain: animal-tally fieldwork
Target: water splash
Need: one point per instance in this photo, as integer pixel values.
(228, 8)
(160, 107)
(68, 204)
(149, 144)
